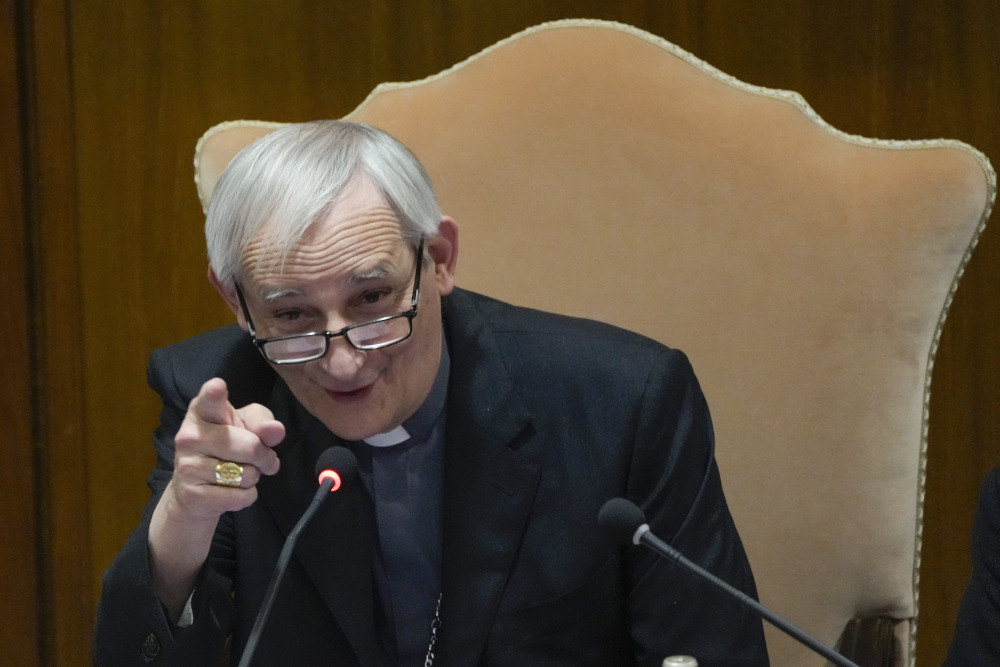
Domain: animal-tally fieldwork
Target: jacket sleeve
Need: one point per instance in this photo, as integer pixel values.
(675, 480)
(133, 627)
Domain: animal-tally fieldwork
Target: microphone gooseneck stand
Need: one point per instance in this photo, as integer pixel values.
(622, 520)
(335, 466)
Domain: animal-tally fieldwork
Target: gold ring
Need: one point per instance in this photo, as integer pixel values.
(228, 473)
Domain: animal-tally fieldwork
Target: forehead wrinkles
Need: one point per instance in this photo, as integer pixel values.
(355, 243)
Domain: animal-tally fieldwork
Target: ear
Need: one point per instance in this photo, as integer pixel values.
(443, 249)
(228, 293)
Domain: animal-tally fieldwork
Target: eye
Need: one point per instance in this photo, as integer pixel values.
(374, 297)
(288, 315)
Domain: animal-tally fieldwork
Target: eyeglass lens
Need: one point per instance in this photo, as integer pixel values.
(371, 335)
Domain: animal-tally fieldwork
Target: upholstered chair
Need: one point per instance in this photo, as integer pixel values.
(600, 171)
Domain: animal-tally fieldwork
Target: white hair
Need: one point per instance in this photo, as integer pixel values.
(285, 180)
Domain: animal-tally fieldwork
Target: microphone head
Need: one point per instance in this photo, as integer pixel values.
(338, 464)
(620, 519)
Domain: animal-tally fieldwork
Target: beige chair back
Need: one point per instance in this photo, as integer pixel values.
(598, 170)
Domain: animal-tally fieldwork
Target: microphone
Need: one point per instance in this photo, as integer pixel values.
(335, 467)
(622, 521)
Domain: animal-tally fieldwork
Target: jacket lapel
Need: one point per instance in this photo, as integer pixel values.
(489, 487)
(335, 549)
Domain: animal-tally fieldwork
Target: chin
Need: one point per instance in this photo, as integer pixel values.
(352, 432)
(356, 429)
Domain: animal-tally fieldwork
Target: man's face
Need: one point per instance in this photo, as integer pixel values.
(353, 266)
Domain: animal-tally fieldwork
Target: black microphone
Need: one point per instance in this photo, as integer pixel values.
(335, 467)
(621, 520)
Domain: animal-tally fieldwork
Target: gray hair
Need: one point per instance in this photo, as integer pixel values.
(285, 181)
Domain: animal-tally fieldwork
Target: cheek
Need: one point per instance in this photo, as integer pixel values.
(410, 363)
(292, 375)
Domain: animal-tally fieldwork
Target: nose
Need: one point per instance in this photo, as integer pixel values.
(342, 361)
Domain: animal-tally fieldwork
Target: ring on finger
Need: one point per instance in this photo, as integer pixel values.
(228, 473)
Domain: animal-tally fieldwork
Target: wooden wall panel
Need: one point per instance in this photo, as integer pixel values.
(18, 521)
(59, 329)
(126, 88)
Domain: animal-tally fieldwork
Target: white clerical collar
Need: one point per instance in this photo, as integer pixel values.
(422, 421)
(389, 438)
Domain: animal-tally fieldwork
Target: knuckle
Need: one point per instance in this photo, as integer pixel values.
(186, 467)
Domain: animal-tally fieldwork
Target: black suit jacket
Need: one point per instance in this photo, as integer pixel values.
(548, 417)
(977, 631)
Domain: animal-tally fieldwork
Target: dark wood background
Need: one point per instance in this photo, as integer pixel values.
(102, 260)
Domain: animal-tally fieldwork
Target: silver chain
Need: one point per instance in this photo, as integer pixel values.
(435, 626)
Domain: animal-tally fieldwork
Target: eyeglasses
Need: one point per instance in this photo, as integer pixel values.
(374, 335)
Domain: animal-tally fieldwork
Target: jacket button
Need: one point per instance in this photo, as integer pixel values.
(150, 648)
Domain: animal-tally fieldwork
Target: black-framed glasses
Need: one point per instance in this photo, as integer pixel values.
(374, 335)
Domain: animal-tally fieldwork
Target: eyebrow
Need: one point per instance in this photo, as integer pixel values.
(272, 294)
(377, 272)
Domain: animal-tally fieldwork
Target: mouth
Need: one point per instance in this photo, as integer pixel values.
(350, 396)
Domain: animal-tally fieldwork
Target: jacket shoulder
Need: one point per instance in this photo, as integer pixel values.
(523, 331)
(536, 344)
(226, 353)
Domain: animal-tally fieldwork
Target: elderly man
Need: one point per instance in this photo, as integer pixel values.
(487, 439)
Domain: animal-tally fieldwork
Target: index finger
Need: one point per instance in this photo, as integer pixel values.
(212, 404)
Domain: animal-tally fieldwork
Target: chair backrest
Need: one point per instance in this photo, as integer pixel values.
(601, 171)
